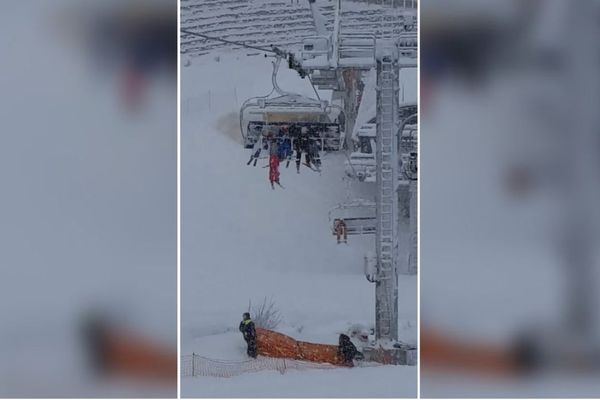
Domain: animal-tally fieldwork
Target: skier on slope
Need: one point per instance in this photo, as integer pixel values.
(274, 163)
(347, 351)
(249, 331)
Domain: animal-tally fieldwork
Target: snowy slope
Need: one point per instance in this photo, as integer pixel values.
(243, 241)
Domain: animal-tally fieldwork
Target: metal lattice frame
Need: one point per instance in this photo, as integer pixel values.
(386, 292)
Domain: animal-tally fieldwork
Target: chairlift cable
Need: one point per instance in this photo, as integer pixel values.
(313, 86)
(228, 41)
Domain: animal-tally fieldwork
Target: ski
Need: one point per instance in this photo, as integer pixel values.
(312, 168)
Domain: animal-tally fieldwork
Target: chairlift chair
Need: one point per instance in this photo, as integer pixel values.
(261, 114)
(362, 163)
(359, 216)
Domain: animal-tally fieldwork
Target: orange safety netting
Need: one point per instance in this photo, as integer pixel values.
(195, 365)
(278, 345)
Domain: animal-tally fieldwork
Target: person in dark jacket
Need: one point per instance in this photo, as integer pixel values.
(302, 145)
(285, 149)
(248, 330)
(347, 351)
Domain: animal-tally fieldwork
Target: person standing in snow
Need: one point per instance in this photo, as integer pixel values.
(347, 351)
(249, 331)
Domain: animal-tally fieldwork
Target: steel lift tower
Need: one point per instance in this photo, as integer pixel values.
(387, 187)
(326, 58)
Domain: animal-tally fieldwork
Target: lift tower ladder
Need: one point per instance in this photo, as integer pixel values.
(386, 293)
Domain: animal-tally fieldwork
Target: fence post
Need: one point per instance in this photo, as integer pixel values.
(193, 363)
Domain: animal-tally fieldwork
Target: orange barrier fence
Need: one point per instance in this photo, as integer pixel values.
(277, 345)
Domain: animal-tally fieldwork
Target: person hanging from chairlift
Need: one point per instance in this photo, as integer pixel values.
(273, 162)
(293, 131)
(255, 152)
(259, 145)
(285, 145)
(341, 230)
(314, 149)
(302, 144)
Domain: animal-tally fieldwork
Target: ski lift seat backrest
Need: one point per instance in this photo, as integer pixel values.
(356, 226)
(358, 217)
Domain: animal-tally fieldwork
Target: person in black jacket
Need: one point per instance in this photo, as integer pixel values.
(302, 145)
(248, 330)
(347, 351)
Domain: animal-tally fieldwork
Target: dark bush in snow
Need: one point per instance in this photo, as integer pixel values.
(266, 315)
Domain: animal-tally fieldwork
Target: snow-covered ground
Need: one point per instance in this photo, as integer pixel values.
(243, 241)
